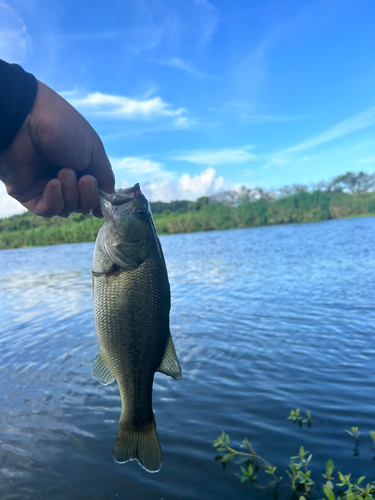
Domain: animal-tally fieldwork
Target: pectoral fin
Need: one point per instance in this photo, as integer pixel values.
(100, 371)
(170, 365)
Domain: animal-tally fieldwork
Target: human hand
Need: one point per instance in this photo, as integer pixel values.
(57, 161)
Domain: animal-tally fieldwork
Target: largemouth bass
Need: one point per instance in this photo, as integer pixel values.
(131, 307)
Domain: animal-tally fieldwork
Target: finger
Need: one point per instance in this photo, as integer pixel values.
(65, 138)
(68, 179)
(88, 193)
(100, 166)
(50, 203)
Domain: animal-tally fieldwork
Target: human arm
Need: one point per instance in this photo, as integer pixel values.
(56, 161)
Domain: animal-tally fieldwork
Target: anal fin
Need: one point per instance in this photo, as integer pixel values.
(170, 365)
(100, 371)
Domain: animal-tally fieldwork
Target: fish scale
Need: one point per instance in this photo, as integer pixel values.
(131, 309)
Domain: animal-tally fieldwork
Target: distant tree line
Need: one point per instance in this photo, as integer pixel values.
(347, 195)
(347, 183)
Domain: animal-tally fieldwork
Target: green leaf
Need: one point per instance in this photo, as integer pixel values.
(218, 441)
(341, 477)
(328, 492)
(329, 467)
(250, 470)
(227, 457)
(270, 470)
(246, 444)
(361, 479)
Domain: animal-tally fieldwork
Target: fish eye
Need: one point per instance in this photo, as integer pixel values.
(142, 213)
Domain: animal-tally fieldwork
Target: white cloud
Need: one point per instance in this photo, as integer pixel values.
(186, 187)
(125, 108)
(178, 63)
(209, 19)
(14, 39)
(218, 157)
(8, 205)
(371, 159)
(270, 118)
(341, 129)
(159, 184)
(356, 122)
(183, 122)
(133, 165)
(244, 111)
(132, 169)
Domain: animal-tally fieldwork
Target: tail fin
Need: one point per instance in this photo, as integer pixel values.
(142, 446)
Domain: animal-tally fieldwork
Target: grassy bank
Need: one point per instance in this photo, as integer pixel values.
(301, 207)
(183, 217)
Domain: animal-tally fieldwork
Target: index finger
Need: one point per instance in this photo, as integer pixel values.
(100, 167)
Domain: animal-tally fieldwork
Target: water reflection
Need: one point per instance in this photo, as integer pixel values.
(264, 320)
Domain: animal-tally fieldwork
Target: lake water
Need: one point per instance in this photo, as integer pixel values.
(264, 320)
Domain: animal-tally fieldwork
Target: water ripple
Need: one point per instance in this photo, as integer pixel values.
(264, 320)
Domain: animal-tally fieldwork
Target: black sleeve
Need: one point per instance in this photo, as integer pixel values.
(17, 95)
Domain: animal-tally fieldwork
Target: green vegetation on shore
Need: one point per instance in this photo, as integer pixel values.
(244, 208)
(300, 207)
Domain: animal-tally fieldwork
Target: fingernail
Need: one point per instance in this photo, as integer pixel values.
(69, 178)
(90, 187)
(56, 190)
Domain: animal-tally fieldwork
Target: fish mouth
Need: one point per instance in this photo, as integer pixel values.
(122, 196)
(124, 201)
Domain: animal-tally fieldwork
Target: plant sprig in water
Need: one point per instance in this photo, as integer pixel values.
(299, 472)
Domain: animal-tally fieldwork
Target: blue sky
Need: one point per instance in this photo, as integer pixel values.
(191, 97)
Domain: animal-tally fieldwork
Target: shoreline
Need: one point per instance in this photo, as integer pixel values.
(352, 216)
